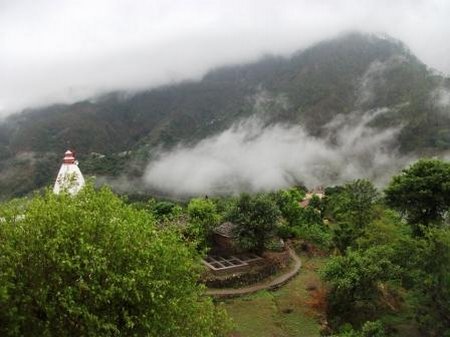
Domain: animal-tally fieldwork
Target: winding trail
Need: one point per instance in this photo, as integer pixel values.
(274, 284)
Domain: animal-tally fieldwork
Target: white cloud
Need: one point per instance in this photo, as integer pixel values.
(252, 157)
(62, 51)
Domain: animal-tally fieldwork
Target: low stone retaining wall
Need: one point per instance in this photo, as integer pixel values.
(272, 285)
(268, 266)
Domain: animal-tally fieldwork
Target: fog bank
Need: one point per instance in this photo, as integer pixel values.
(251, 157)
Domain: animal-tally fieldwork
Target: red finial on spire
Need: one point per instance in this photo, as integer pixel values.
(69, 157)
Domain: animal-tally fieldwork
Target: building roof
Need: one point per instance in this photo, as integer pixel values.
(226, 229)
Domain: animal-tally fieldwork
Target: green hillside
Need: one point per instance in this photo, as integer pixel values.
(115, 133)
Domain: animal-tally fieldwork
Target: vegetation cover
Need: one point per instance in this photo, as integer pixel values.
(90, 265)
(94, 264)
(256, 218)
(385, 272)
(393, 266)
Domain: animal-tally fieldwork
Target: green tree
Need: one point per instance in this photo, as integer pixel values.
(354, 282)
(353, 203)
(421, 193)
(352, 208)
(203, 218)
(256, 218)
(163, 210)
(288, 202)
(91, 265)
(432, 287)
(389, 230)
(344, 236)
(306, 223)
(369, 329)
(387, 227)
(361, 196)
(311, 226)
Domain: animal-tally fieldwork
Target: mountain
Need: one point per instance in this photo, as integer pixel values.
(115, 134)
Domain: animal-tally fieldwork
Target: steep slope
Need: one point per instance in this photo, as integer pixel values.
(352, 72)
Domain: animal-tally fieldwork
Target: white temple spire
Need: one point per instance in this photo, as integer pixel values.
(69, 177)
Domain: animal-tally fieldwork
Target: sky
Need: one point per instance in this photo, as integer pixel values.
(61, 51)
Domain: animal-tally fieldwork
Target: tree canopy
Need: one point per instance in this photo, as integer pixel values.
(203, 218)
(256, 218)
(421, 193)
(393, 266)
(352, 208)
(90, 265)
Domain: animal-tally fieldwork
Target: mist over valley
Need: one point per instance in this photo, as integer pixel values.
(355, 106)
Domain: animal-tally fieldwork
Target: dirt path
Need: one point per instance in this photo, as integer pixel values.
(274, 284)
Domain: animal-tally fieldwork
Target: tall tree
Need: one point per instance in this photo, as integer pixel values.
(352, 207)
(421, 193)
(288, 203)
(433, 286)
(203, 218)
(354, 282)
(256, 218)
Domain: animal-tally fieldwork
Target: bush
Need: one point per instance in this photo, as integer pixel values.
(163, 210)
(284, 231)
(316, 234)
(90, 265)
(369, 329)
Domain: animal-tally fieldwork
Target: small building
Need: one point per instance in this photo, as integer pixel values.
(69, 177)
(224, 238)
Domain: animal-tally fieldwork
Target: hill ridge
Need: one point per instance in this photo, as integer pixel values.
(309, 88)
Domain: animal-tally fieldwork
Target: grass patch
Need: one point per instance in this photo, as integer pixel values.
(281, 313)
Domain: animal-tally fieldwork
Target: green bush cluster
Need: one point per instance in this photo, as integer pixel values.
(382, 254)
(90, 265)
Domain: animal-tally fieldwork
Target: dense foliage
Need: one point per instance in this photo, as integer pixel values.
(432, 288)
(163, 210)
(256, 218)
(422, 193)
(351, 208)
(93, 265)
(369, 329)
(203, 218)
(302, 222)
(384, 269)
(90, 265)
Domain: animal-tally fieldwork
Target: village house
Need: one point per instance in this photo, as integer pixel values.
(224, 239)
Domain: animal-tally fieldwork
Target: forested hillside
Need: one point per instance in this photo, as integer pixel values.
(114, 134)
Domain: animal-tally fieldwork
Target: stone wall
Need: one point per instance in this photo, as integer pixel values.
(271, 263)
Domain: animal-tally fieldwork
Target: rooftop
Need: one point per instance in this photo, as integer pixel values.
(226, 229)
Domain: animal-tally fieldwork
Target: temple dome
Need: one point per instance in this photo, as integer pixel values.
(69, 179)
